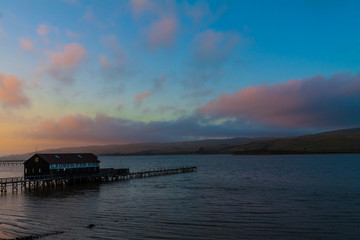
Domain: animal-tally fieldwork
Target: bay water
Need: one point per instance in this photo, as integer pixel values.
(229, 197)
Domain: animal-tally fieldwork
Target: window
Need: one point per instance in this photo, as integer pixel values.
(25, 170)
(39, 170)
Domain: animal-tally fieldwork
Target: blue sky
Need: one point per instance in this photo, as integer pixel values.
(103, 72)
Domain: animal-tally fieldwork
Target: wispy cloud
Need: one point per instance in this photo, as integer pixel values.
(43, 30)
(104, 129)
(26, 44)
(159, 83)
(12, 92)
(72, 34)
(312, 102)
(112, 70)
(162, 32)
(142, 96)
(140, 7)
(64, 63)
(214, 47)
(120, 107)
(201, 13)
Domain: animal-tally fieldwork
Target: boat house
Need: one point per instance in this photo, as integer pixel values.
(62, 164)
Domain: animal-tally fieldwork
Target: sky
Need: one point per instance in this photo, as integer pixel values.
(78, 73)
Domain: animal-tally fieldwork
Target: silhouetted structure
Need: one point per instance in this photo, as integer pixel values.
(61, 164)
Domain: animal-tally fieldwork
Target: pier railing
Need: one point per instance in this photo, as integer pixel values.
(11, 162)
(105, 175)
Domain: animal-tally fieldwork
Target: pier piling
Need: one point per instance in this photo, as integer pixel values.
(106, 175)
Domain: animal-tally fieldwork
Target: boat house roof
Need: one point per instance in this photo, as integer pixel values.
(65, 158)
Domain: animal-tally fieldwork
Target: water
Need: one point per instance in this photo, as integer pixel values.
(229, 197)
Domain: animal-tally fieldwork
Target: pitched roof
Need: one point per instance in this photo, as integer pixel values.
(64, 158)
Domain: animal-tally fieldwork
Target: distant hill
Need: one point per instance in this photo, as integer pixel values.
(340, 141)
(209, 146)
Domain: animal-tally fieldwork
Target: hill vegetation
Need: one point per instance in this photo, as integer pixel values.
(341, 141)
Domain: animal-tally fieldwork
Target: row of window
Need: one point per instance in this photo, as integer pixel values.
(73, 165)
(33, 170)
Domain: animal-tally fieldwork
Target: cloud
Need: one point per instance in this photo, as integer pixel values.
(102, 129)
(201, 13)
(104, 62)
(159, 82)
(158, 22)
(89, 15)
(198, 11)
(72, 56)
(120, 107)
(64, 64)
(214, 48)
(26, 44)
(43, 30)
(175, 112)
(11, 92)
(210, 51)
(112, 69)
(312, 102)
(142, 96)
(162, 32)
(139, 7)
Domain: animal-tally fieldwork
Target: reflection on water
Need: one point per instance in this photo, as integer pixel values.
(229, 197)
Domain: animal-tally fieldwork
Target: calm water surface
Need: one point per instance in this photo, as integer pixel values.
(229, 197)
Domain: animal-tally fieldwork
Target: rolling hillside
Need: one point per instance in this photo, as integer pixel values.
(340, 141)
(210, 146)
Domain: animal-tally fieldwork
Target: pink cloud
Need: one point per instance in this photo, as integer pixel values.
(312, 102)
(26, 44)
(43, 30)
(162, 32)
(114, 64)
(211, 47)
(198, 11)
(139, 6)
(79, 129)
(104, 62)
(65, 63)
(110, 42)
(121, 107)
(72, 56)
(141, 96)
(11, 92)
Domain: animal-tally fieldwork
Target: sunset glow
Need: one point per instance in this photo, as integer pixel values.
(77, 73)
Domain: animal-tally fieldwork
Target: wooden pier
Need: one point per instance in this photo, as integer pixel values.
(105, 175)
(11, 162)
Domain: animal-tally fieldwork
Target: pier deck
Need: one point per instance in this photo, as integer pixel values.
(11, 162)
(106, 175)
